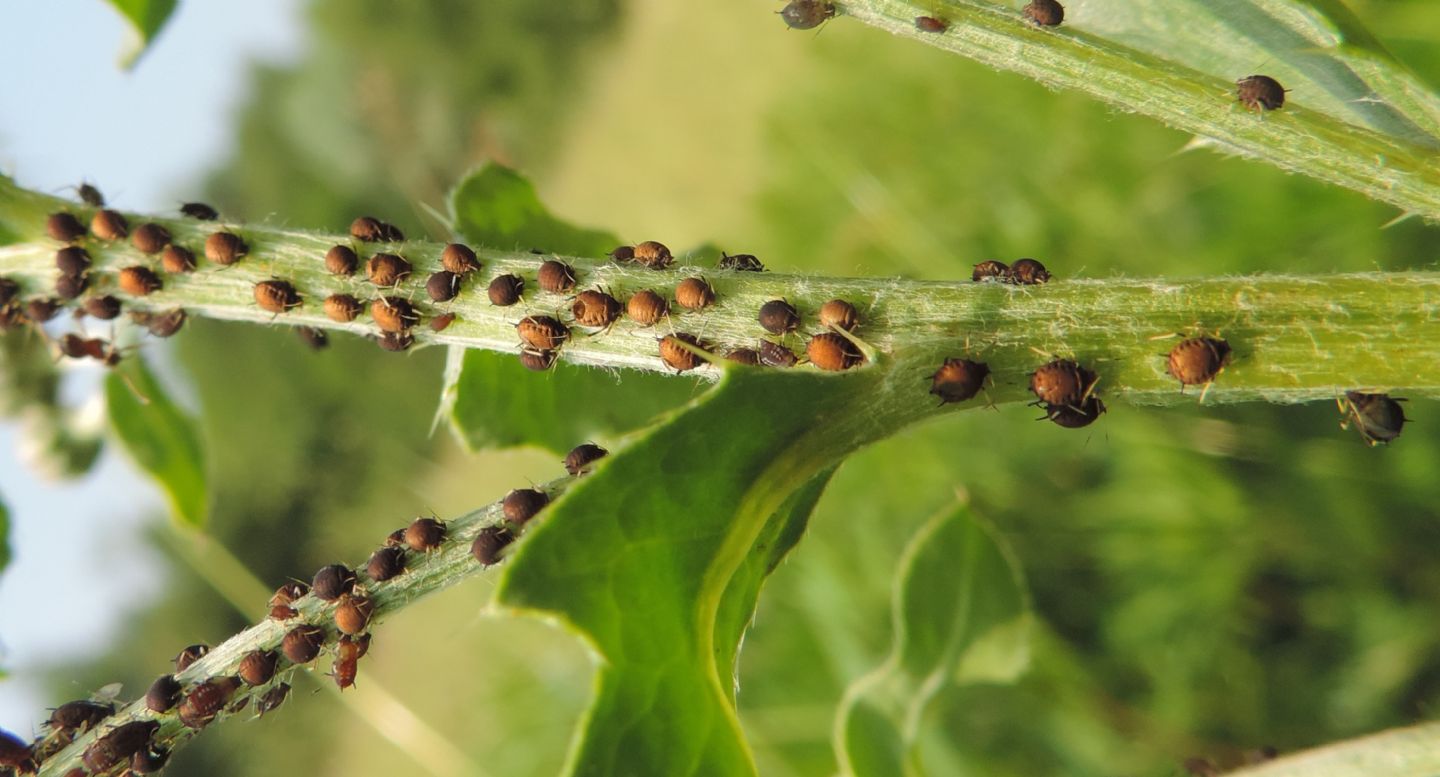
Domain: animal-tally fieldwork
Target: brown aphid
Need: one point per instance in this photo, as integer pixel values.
(163, 324)
(839, 314)
(556, 277)
(646, 307)
(151, 759)
(80, 715)
(72, 260)
(118, 745)
(395, 342)
(1197, 360)
(332, 582)
(105, 308)
(257, 667)
(740, 263)
(41, 309)
(352, 615)
(347, 661)
(537, 361)
(958, 380)
(489, 543)
(395, 538)
(199, 211)
(1073, 416)
(287, 593)
(282, 612)
(190, 655)
(806, 14)
(177, 259)
(387, 270)
(1377, 417)
(393, 314)
(776, 355)
(623, 254)
(990, 270)
(341, 260)
(694, 293)
(542, 333)
(1260, 93)
(778, 317)
(522, 504)
(277, 296)
(653, 254)
(1027, 272)
(15, 754)
(385, 563)
(832, 352)
(595, 308)
(71, 286)
(1044, 13)
(579, 459)
(77, 347)
(205, 701)
(302, 643)
(442, 322)
(139, 281)
(342, 307)
(150, 238)
(676, 356)
(505, 290)
(109, 225)
(64, 227)
(442, 286)
(225, 248)
(931, 24)
(315, 339)
(459, 259)
(747, 356)
(163, 693)
(424, 534)
(90, 195)
(272, 699)
(1061, 382)
(373, 230)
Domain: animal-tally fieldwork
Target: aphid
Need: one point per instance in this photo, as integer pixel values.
(778, 317)
(41, 309)
(225, 248)
(80, 715)
(542, 333)
(272, 699)
(832, 352)
(387, 269)
(151, 759)
(277, 296)
(118, 745)
(1377, 417)
(163, 693)
(522, 504)
(72, 261)
(1197, 360)
(333, 581)
(302, 643)
(990, 270)
(385, 563)
(353, 614)
(71, 286)
(150, 238)
(139, 281)
(177, 259)
(1061, 382)
(676, 356)
(190, 655)
(393, 314)
(1260, 93)
(958, 380)
(64, 227)
(163, 324)
(489, 543)
(342, 307)
(205, 701)
(1075, 417)
(424, 534)
(623, 254)
(459, 259)
(90, 195)
(109, 225)
(287, 593)
(373, 230)
(442, 286)
(77, 347)
(653, 254)
(748, 356)
(199, 211)
(395, 341)
(1044, 13)
(341, 260)
(740, 262)
(505, 290)
(646, 307)
(15, 754)
(694, 294)
(316, 339)
(806, 14)
(595, 308)
(839, 314)
(776, 355)
(579, 459)
(347, 661)
(931, 24)
(539, 361)
(1028, 272)
(105, 308)
(257, 667)
(441, 322)
(556, 277)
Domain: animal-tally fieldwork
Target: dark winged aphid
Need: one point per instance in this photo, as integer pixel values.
(740, 263)
(277, 296)
(442, 286)
(556, 277)
(839, 314)
(424, 534)
(1061, 382)
(316, 339)
(806, 14)
(595, 308)
(332, 582)
(149, 760)
(41, 309)
(930, 24)
(341, 260)
(118, 745)
(139, 281)
(90, 195)
(163, 693)
(80, 715)
(958, 380)
(542, 333)
(109, 225)
(104, 308)
(64, 227)
(190, 655)
(1075, 416)
(352, 615)
(177, 259)
(393, 314)
(778, 317)
(385, 563)
(387, 269)
(205, 701)
(15, 754)
(539, 361)
(1377, 417)
(694, 294)
(442, 322)
(748, 356)
(150, 238)
(505, 290)
(272, 699)
(990, 270)
(832, 352)
(1260, 93)
(302, 643)
(71, 286)
(257, 667)
(72, 261)
(1044, 13)
(1028, 272)
(373, 230)
(395, 341)
(459, 259)
(522, 504)
(776, 355)
(579, 459)
(199, 210)
(646, 307)
(1197, 360)
(676, 356)
(653, 254)
(342, 307)
(489, 543)
(623, 254)
(225, 248)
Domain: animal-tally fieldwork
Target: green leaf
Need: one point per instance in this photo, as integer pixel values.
(961, 615)
(147, 17)
(160, 437)
(497, 207)
(1400, 752)
(4, 537)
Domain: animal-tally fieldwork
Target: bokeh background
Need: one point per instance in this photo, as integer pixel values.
(1207, 580)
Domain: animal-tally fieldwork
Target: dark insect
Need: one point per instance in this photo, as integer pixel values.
(990, 270)
(387, 270)
(283, 597)
(740, 262)
(1377, 417)
(505, 290)
(459, 259)
(316, 339)
(189, 656)
(623, 254)
(538, 361)
(373, 230)
(72, 261)
(646, 307)
(71, 286)
(832, 352)
(385, 563)
(150, 238)
(15, 754)
(542, 333)
(199, 210)
(396, 341)
(778, 317)
(118, 745)
(676, 356)
(1044, 13)
(776, 355)
(150, 759)
(1073, 416)
(225, 248)
(205, 701)
(333, 582)
(109, 225)
(748, 356)
(1028, 272)
(556, 277)
(341, 260)
(105, 308)
(594, 308)
(393, 314)
(342, 307)
(257, 667)
(177, 259)
(930, 24)
(1197, 360)
(694, 294)
(81, 715)
(1061, 382)
(277, 296)
(163, 693)
(424, 534)
(958, 380)
(272, 699)
(8, 291)
(353, 614)
(64, 227)
(442, 286)
(839, 314)
(522, 504)
(347, 661)
(489, 543)
(1260, 93)
(302, 643)
(395, 538)
(90, 195)
(139, 281)
(579, 459)
(77, 347)
(41, 309)
(652, 254)
(442, 322)
(806, 14)
(163, 324)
